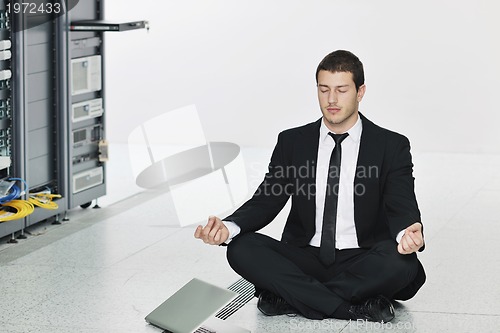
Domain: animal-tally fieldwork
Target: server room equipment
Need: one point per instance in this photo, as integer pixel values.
(86, 75)
(88, 179)
(87, 110)
(52, 102)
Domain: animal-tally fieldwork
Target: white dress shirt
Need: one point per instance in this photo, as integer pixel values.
(345, 235)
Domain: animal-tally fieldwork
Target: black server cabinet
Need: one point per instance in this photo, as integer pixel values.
(35, 130)
(41, 60)
(8, 147)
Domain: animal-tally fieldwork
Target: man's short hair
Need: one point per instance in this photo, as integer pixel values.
(343, 61)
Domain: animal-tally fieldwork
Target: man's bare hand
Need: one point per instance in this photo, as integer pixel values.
(214, 233)
(412, 240)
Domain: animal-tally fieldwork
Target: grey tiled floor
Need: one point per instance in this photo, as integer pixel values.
(104, 270)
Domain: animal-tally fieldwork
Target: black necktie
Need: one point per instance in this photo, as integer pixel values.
(327, 246)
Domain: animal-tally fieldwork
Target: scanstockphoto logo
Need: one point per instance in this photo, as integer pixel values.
(329, 325)
(23, 14)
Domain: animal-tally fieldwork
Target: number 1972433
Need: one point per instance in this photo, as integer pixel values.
(47, 7)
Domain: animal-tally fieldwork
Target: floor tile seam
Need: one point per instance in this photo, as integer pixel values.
(146, 247)
(30, 236)
(115, 208)
(74, 327)
(77, 223)
(38, 242)
(346, 326)
(88, 218)
(52, 327)
(456, 313)
(55, 266)
(93, 268)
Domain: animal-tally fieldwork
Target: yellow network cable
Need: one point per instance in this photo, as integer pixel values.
(44, 200)
(22, 208)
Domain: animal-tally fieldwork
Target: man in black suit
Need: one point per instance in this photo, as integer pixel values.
(350, 241)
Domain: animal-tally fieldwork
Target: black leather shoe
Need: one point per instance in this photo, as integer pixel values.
(378, 309)
(273, 305)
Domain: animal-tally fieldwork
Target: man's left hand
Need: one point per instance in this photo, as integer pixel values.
(412, 240)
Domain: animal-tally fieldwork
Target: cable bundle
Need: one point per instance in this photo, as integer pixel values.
(12, 209)
(14, 193)
(44, 200)
(15, 209)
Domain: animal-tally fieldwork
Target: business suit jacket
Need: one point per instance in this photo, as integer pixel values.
(384, 198)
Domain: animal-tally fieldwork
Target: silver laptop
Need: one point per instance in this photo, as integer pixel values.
(192, 308)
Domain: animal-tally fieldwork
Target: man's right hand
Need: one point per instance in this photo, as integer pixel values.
(214, 233)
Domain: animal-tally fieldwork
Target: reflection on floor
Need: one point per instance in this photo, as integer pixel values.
(106, 269)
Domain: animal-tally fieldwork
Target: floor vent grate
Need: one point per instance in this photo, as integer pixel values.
(245, 290)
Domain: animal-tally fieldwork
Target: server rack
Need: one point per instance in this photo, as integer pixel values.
(86, 105)
(87, 99)
(43, 114)
(52, 103)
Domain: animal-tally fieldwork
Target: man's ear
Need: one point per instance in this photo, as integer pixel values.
(361, 92)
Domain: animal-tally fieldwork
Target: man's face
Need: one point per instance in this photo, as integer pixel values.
(339, 100)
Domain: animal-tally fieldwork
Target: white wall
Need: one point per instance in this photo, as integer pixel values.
(432, 67)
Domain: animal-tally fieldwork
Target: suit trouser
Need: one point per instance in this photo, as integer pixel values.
(316, 291)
